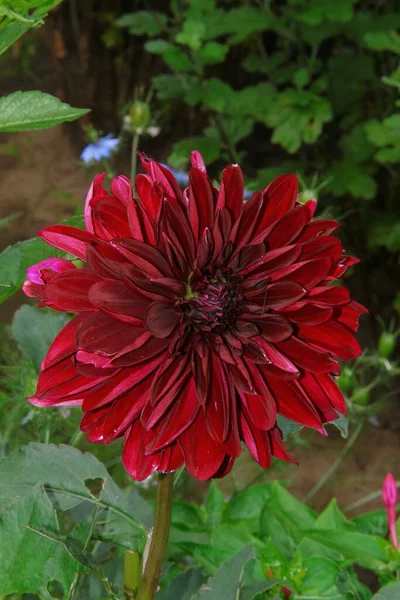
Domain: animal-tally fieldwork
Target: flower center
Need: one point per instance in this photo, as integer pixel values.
(212, 303)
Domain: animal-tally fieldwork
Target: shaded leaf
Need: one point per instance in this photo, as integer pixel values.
(34, 330)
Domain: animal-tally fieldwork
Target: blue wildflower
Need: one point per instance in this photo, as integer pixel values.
(103, 148)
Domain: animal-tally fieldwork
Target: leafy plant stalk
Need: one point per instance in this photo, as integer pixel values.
(159, 538)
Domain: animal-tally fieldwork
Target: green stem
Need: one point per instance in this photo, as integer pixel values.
(152, 566)
(135, 143)
(132, 574)
(342, 455)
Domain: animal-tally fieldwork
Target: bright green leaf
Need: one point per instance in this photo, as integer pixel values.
(26, 111)
(192, 34)
(212, 53)
(368, 551)
(15, 260)
(333, 518)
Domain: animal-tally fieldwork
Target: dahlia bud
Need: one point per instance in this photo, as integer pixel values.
(389, 495)
(40, 274)
(140, 115)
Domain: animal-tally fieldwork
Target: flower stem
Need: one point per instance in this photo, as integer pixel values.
(135, 142)
(152, 566)
(132, 574)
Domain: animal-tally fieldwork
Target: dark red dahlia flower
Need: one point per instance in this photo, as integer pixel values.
(200, 318)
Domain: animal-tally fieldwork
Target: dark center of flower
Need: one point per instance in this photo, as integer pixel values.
(212, 303)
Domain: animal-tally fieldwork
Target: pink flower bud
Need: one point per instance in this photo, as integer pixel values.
(389, 495)
(40, 274)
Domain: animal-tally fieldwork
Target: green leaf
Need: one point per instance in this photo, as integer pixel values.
(16, 21)
(372, 523)
(188, 517)
(67, 473)
(28, 561)
(15, 260)
(214, 505)
(387, 136)
(209, 148)
(382, 40)
(391, 592)
(297, 116)
(177, 59)
(287, 427)
(368, 551)
(34, 330)
(206, 555)
(301, 77)
(143, 22)
(283, 518)
(248, 505)
(157, 46)
(26, 111)
(321, 575)
(212, 53)
(342, 423)
(227, 581)
(232, 537)
(333, 518)
(183, 587)
(192, 34)
(349, 584)
(252, 590)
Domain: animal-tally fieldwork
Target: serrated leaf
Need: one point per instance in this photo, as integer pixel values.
(15, 260)
(65, 472)
(28, 111)
(227, 581)
(34, 330)
(29, 562)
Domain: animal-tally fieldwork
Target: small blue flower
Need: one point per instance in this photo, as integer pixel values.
(247, 194)
(181, 176)
(103, 148)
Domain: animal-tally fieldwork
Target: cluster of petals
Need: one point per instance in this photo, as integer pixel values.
(199, 319)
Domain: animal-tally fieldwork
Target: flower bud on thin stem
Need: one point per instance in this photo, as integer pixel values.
(389, 495)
